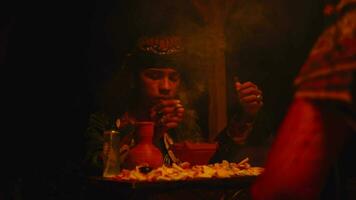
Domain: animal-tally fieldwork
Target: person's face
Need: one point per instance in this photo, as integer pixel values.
(159, 83)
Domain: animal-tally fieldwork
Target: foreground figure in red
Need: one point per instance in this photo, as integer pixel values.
(321, 116)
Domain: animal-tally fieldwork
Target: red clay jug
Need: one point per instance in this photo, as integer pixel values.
(144, 152)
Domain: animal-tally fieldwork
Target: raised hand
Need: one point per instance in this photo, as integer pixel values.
(250, 98)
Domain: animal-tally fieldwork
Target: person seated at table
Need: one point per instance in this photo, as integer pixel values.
(158, 90)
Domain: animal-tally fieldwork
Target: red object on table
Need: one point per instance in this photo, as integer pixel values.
(145, 152)
(194, 153)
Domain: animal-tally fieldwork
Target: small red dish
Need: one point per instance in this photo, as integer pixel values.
(194, 153)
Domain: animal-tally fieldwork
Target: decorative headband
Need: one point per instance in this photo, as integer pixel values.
(167, 45)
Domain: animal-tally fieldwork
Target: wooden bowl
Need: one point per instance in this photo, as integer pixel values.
(194, 153)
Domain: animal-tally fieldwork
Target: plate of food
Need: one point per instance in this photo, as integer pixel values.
(184, 174)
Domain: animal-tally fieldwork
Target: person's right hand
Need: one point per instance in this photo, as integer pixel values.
(250, 98)
(167, 113)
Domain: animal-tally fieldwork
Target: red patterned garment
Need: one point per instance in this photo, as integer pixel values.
(328, 72)
(313, 132)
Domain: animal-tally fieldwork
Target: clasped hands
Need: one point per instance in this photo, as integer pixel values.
(168, 113)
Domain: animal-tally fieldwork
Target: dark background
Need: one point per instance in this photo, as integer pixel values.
(54, 54)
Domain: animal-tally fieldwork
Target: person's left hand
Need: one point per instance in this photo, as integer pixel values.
(250, 98)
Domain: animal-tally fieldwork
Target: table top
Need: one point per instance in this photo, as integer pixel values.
(204, 183)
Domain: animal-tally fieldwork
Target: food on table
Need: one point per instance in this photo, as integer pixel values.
(185, 171)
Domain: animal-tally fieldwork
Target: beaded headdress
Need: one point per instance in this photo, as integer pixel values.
(167, 45)
(157, 51)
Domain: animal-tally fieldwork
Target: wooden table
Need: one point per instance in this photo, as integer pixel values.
(222, 189)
